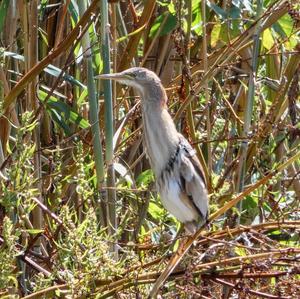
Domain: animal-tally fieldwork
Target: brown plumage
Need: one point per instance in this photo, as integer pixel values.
(179, 175)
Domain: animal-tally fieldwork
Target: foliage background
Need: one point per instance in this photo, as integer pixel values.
(79, 214)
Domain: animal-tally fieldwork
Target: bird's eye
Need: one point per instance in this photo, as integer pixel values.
(133, 75)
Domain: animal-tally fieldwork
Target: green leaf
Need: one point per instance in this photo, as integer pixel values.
(97, 59)
(68, 113)
(287, 24)
(234, 28)
(285, 28)
(55, 71)
(50, 69)
(55, 92)
(82, 97)
(43, 35)
(197, 18)
(250, 209)
(267, 39)
(63, 113)
(218, 10)
(275, 232)
(163, 3)
(169, 24)
(73, 10)
(12, 281)
(224, 34)
(171, 8)
(234, 12)
(122, 38)
(215, 34)
(243, 3)
(249, 203)
(34, 231)
(3, 11)
(145, 178)
(278, 29)
(280, 137)
(155, 211)
(240, 251)
(61, 123)
(267, 207)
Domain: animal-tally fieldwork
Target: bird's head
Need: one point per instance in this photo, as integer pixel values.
(145, 81)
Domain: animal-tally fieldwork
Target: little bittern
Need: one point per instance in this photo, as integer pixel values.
(179, 175)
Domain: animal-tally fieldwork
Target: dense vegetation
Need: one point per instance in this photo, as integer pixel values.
(79, 213)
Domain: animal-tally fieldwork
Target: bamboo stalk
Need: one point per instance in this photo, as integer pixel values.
(38, 221)
(93, 111)
(249, 106)
(205, 86)
(109, 125)
(2, 157)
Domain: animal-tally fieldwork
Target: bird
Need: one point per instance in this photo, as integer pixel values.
(179, 175)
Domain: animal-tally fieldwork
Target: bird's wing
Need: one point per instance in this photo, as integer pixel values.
(192, 178)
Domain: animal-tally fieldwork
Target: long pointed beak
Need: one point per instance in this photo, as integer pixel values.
(116, 76)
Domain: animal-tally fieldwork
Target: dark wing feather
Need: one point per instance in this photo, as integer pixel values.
(198, 167)
(192, 174)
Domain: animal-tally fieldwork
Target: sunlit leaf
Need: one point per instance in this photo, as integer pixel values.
(82, 97)
(156, 211)
(197, 18)
(171, 8)
(34, 231)
(163, 3)
(267, 39)
(131, 34)
(145, 178)
(215, 35)
(43, 35)
(286, 23)
(240, 251)
(169, 24)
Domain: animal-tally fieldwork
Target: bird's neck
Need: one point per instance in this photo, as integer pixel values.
(161, 136)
